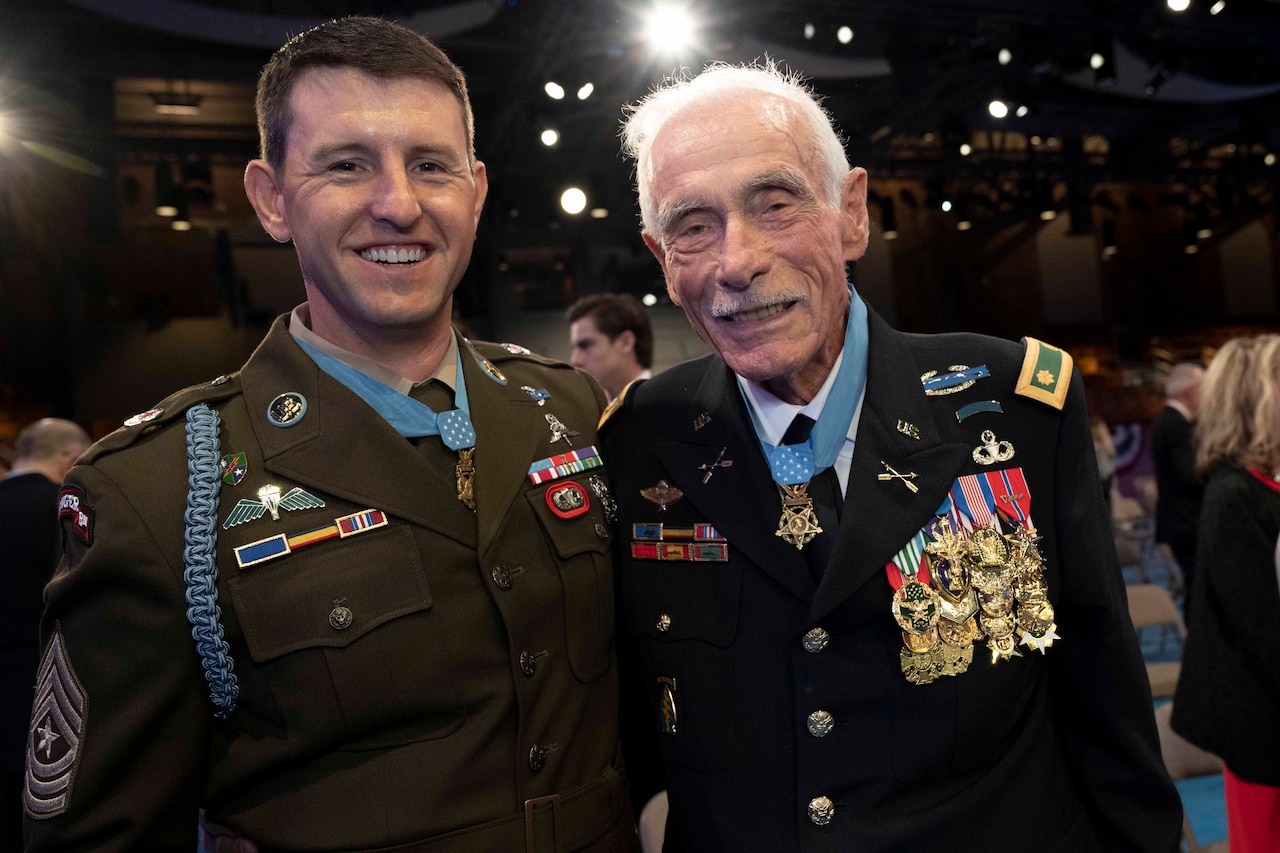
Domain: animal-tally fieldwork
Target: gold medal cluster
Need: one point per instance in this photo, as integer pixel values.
(989, 585)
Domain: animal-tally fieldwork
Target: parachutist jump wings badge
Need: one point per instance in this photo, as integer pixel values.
(270, 500)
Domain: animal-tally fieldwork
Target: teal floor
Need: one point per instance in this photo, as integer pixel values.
(1202, 797)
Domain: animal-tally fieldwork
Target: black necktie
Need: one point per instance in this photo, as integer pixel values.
(828, 500)
(439, 397)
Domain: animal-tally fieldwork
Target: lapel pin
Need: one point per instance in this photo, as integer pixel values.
(711, 467)
(908, 429)
(539, 395)
(516, 349)
(894, 475)
(980, 406)
(287, 409)
(992, 451)
(663, 494)
(493, 372)
(559, 430)
(233, 466)
(701, 420)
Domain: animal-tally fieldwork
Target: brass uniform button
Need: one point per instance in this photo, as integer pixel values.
(664, 623)
(602, 531)
(501, 577)
(821, 723)
(815, 640)
(340, 617)
(537, 758)
(821, 810)
(528, 664)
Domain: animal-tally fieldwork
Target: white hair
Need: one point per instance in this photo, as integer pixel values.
(1182, 378)
(645, 120)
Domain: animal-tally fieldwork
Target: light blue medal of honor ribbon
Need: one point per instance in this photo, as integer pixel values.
(794, 465)
(411, 418)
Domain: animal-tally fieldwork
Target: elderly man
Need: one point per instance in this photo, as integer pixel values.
(867, 577)
(393, 556)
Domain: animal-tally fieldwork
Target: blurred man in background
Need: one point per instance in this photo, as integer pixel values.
(44, 453)
(611, 338)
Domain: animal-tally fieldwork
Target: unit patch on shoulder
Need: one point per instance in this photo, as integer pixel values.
(54, 739)
(1046, 374)
(72, 505)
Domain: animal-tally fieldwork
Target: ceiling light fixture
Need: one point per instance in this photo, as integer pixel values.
(554, 90)
(1217, 7)
(1179, 5)
(573, 201)
(585, 91)
(844, 35)
(998, 109)
(669, 29)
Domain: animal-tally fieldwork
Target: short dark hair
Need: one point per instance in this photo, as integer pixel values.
(380, 48)
(615, 313)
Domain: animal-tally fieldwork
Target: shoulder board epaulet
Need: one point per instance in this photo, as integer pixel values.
(498, 353)
(616, 403)
(1046, 374)
(166, 411)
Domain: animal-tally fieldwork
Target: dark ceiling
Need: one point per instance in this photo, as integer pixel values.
(1186, 100)
(911, 69)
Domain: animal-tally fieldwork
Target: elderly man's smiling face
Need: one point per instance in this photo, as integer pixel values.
(750, 246)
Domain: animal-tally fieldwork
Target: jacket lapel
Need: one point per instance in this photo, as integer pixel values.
(508, 440)
(880, 516)
(340, 446)
(740, 501)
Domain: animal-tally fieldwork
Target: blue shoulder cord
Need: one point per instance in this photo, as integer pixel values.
(201, 575)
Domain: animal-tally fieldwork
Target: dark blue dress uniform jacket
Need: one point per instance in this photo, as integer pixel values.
(1038, 753)
(476, 671)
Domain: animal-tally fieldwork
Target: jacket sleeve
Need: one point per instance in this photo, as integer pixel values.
(117, 748)
(1101, 689)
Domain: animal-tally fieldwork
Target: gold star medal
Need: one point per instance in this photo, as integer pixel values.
(792, 468)
(799, 523)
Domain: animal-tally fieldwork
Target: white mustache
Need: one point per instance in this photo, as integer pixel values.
(728, 309)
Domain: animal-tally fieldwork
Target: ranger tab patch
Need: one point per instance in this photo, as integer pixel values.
(54, 739)
(1046, 374)
(72, 505)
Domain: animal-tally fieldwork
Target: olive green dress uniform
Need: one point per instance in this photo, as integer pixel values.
(776, 706)
(445, 681)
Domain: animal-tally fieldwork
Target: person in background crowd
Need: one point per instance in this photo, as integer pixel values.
(611, 338)
(385, 617)
(1179, 490)
(1105, 451)
(29, 540)
(1228, 695)
(867, 579)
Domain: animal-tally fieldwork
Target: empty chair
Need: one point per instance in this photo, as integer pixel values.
(1151, 605)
